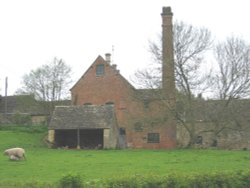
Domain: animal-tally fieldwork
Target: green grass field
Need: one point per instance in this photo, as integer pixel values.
(49, 165)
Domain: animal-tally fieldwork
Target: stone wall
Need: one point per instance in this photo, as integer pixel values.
(231, 137)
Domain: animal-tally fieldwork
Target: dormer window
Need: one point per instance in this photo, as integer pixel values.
(100, 70)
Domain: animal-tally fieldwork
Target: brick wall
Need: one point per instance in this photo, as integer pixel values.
(135, 120)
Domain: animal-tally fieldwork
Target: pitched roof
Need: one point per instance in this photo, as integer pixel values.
(149, 94)
(83, 117)
(208, 110)
(100, 59)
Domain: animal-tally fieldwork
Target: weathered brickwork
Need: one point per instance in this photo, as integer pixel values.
(144, 119)
(135, 119)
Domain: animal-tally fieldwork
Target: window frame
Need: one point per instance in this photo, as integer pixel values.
(122, 131)
(153, 138)
(100, 70)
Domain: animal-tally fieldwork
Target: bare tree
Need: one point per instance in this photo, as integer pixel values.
(231, 84)
(190, 45)
(49, 82)
(233, 77)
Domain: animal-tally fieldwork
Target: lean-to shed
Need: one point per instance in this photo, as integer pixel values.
(86, 127)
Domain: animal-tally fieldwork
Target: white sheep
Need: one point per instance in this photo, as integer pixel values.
(14, 158)
(15, 153)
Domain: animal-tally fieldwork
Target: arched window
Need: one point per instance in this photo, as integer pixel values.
(109, 103)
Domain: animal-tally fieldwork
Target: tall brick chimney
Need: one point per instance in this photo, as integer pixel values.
(168, 73)
(168, 76)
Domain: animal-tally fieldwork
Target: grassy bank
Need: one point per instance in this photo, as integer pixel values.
(49, 165)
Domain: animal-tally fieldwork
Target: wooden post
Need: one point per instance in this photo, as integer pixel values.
(78, 139)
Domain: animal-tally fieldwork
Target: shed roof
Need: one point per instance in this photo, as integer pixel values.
(83, 117)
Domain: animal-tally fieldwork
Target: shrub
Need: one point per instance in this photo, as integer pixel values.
(71, 181)
(24, 128)
(140, 181)
(21, 119)
(30, 184)
(213, 180)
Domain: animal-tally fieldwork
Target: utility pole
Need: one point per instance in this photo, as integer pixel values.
(6, 94)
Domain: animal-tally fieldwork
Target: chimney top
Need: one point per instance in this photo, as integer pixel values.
(108, 57)
(166, 11)
(114, 66)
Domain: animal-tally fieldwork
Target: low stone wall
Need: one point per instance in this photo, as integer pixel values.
(230, 137)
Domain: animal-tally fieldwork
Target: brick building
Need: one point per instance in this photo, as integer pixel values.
(142, 116)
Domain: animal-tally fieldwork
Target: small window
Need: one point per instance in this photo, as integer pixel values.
(100, 70)
(153, 138)
(214, 143)
(198, 140)
(122, 131)
(138, 127)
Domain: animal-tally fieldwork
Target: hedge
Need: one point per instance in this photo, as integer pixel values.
(238, 179)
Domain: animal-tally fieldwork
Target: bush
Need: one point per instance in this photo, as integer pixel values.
(21, 119)
(213, 180)
(240, 179)
(31, 184)
(24, 128)
(71, 181)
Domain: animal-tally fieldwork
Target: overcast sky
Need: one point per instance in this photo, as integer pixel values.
(33, 32)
